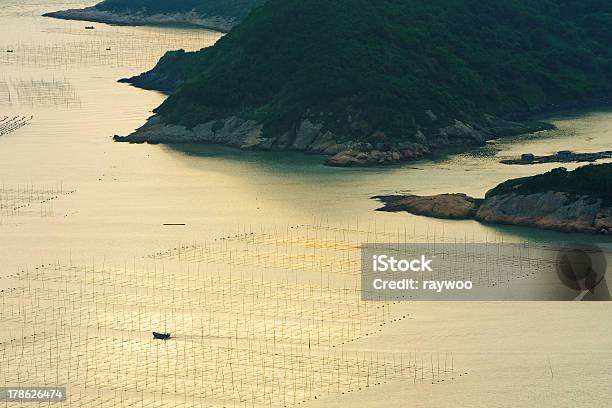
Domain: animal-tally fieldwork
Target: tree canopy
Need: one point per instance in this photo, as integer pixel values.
(371, 69)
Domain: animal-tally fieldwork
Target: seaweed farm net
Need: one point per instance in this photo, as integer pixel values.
(30, 200)
(103, 48)
(9, 124)
(277, 332)
(328, 254)
(54, 92)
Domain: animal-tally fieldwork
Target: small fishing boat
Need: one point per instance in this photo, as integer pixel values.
(161, 336)
(90, 27)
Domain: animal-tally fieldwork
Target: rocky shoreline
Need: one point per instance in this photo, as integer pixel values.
(445, 206)
(191, 18)
(312, 137)
(546, 210)
(564, 156)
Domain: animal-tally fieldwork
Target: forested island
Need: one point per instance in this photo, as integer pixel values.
(569, 201)
(220, 15)
(371, 82)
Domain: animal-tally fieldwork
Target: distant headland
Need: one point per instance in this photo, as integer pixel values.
(215, 15)
(568, 201)
(369, 83)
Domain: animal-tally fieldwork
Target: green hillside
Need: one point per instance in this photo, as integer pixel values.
(371, 70)
(594, 180)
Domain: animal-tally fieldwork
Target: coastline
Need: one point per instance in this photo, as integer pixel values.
(190, 19)
(549, 210)
(311, 137)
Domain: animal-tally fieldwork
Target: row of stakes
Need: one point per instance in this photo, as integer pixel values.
(18, 200)
(10, 124)
(239, 338)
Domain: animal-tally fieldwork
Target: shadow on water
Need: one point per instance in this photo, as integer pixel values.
(537, 235)
(310, 174)
(262, 158)
(279, 161)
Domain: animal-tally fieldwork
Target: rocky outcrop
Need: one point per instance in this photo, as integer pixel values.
(232, 131)
(365, 157)
(237, 132)
(564, 156)
(164, 82)
(448, 206)
(191, 18)
(547, 210)
(312, 137)
(458, 134)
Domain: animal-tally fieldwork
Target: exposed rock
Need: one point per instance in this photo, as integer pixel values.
(312, 137)
(549, 210)
(461, 133)
(232, 131)
(351, 157)
(331, 148)
(563, 156)
(448, 206)
(191, 18)
(360, 155)
(325, 143)
(284, 141)
(306, 134)
(347, 158)
(158, 133)
(498, 127)
(237, 132)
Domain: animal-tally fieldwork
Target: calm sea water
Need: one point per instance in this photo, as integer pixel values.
(64, 77)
